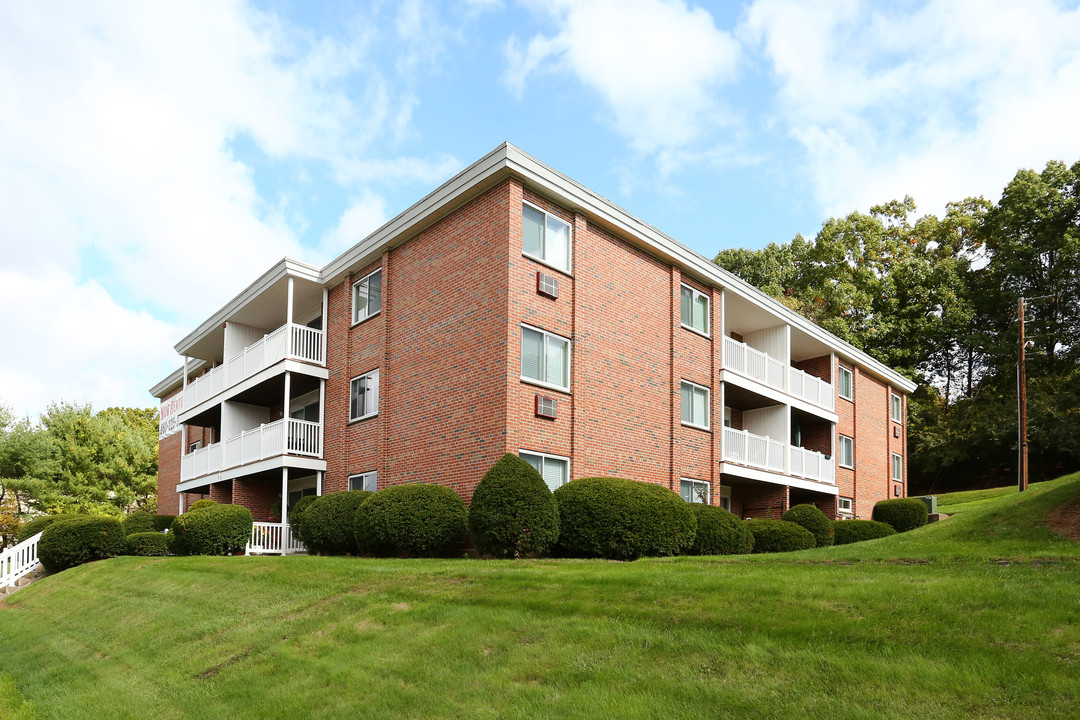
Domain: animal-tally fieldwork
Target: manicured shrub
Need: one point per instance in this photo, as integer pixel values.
(719, 532)
(327, 527)
(211, 530)
(902, 514)
(418, 519)
(38, 524)
(200, 504)
(779, 536)
(850, 531)
(163, 522)
(622, 519)
(138, 522)
(811, 518)
(74, 541)
(296, 515)
(513, 513)
(147, 544)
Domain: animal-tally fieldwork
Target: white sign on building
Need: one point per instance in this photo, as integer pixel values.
(169, 417)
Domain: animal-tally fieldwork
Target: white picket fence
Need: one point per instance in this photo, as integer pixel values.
(266, 539)
(15, 562)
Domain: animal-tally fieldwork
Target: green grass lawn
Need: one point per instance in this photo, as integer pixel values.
(929, 624)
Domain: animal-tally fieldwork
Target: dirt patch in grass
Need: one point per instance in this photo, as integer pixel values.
(1065, 521)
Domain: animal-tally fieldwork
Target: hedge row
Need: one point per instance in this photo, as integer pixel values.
(211, 529)
(68, 542)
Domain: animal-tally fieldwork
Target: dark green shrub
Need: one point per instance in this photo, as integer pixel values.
(211, 530)
(74, 541)
(327, 527)
(163, 522)
(418, 519)
(779, 536)
(38, 524)
(622, 519)
(849, 531)
(513, 513)
(200, 504)
(138, 522)
(811, 518)
(719, 532)
(296, 515)
(902, 514)
(147, 544)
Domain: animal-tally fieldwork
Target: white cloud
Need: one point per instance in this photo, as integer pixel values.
(943, 102)
(363, 217)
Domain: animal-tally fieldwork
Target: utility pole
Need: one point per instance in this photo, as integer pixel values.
(1021, 372)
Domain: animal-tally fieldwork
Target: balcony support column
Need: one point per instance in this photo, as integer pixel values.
(181, 497)
(289, 302)
(325, 323)
(285, 411)
(284, 509)
(318, 483)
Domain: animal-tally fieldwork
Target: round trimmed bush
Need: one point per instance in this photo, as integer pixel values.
(850, 531)
(779, 536)
(296, 514)
(38, 524)
(513, 513)
(211, 530)
(147, 544)
(138, 522)
(163, 522)
(719, 532)
(74, 541)
(622, 519)
(327, 527)
(811, 518)
(902, 514)
(417, 519)
(200, 504)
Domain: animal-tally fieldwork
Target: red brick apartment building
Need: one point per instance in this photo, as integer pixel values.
(514, 310)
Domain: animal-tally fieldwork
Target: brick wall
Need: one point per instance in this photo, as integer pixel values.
(257, 495)
(819, 367)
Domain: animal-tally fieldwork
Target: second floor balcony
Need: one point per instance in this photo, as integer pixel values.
(767, 370)
(764, 453)
(288, 436)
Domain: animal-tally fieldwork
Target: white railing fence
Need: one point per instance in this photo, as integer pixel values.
(267, 538)
(811, 465)
(812, 389)
(286, 436)
(20, 560)
(746, 448)
(753, 363)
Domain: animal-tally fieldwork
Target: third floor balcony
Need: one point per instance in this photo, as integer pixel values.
(759, 366)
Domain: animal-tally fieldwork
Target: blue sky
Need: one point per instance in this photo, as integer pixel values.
(157, 157)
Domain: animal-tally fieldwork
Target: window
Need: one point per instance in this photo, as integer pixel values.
(367, 297)
(846, 452)
(554, 469)
(725, 498)
(844, 505)
(364, 396)
(295, 495)
(897, 408)
(846, 383)
(897, 467)
(694, 307)
(695, 405)
(694, 491)
(727, 417)
(545, 358)
(364, 481)
(545, 237)
(194, 446)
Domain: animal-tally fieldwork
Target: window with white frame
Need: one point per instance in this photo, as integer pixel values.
(694, 308)
(727, 417)
(694, 491)
(845, 450)
(194, 446)
(554, 469)
(367, 296)
(364, 396)
(897, 408)
(844, 505)
(365, 481)
(695, 405)
(545, 237)
(545, 358)
(725, 498)
(897, 467)
(846, 383)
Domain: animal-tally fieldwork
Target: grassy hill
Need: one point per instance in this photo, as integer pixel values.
(973, 617)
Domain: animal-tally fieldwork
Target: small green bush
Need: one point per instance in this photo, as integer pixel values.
(163, 522)
(296, 515)
(850, 531)
(38, 524)
(147, 544)
(811, 518)
(327, 527)
(211, 530)
(200, 504)
(138, 522)
(622, 519)
(74, 541)
(513, 513)
(902, 514)
(719, 532)
(417, 519)
(779, 536)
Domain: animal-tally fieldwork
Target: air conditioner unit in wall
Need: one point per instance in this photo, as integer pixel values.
(547, 284)
(547, 407)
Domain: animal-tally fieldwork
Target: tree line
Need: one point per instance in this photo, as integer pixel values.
(937, 299)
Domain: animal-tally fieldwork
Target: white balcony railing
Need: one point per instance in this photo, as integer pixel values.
(746, 448)
(812, 389)
(283, 437)
(757, 365)
(810, 465)
(291, 341)
(266, 538)
(20, 560)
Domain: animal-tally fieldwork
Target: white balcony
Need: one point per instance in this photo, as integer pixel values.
(812, 389)
(284, 437)
(273, 539)
(810, 465)
(767, 370)
(763, 453)
(288, 342)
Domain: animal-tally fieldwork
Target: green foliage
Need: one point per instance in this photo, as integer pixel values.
(211, 530)
(779, 536)
(74, 541)
(296, 515)
(622, 519)
(38, 524)
(846, 532)
(139, 522)
(811, 518)
(163, 522)
(719, 532)
(327, 525)
(902, 514)
(147, 544)
(200, 504)
(513, 513)
(418, 520)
